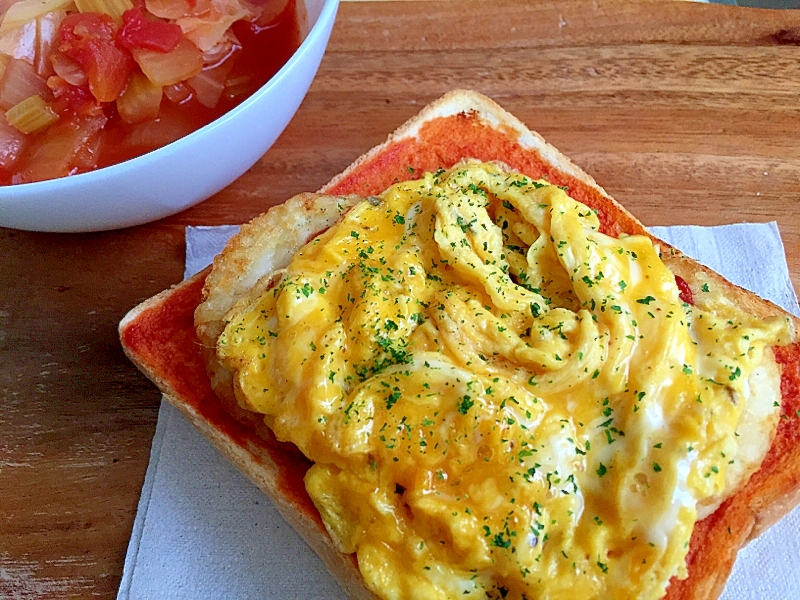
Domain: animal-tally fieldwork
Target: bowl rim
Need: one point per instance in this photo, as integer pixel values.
(11, 193)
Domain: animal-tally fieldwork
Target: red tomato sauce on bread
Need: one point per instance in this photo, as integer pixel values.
(443, 142)
(164, 340)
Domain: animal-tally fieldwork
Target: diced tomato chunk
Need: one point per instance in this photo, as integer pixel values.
(69, 97)
(138, 32)
(89, 40)
(684, 289)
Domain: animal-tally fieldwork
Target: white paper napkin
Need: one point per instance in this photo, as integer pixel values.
(204, 532)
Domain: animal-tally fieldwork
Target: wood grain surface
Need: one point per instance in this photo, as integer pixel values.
(685, 113)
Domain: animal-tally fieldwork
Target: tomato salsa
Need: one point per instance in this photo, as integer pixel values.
(89, 83)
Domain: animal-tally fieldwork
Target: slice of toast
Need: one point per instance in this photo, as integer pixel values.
(160, 336)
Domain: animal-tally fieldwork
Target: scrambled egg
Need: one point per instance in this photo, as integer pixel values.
(499, 400)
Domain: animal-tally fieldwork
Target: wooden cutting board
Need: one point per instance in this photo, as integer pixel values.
(684, 112)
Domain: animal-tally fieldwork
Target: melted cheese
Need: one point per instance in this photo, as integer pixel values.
(499, 400)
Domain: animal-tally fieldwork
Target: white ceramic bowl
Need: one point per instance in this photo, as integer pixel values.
(183, 173)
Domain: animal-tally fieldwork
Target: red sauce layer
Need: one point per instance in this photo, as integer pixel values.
(163, 340)
(443, 142)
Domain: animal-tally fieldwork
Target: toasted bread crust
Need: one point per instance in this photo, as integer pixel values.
(459, 125)
(160, 340)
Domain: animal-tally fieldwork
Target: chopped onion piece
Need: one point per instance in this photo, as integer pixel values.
(20, 81)
(25, 11)
(210, 83)
(167, 68)
(66, 148)
(220, 53)
(178, 93)
(112, 8)
(269, 11)
(169, 9)
(140, 101)
(241, 86)
(12, 144)
(46, 34)
(32, 115)
(205, 33)
(207, 88)
(207, 29)
(20, 42)
(174, 124)
(69, 70)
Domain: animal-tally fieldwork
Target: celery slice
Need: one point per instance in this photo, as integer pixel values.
(31, 115)
(25, 11)
(112, 8)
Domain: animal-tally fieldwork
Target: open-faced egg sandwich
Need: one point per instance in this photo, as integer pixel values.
(492, 381)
